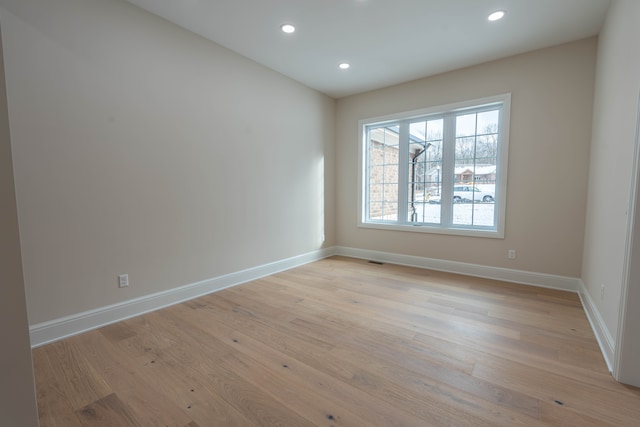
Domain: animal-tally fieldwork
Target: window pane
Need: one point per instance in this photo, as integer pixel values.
(376, 175)
(382, 177)
(375, 210)
(476, 150)
(465, 148)
(389, 211)
(487, 150)
(418, 130)
(466, 125)
(427, 212)
(488, 122)
(376, 153)
(463, 213)
(483, 214)
(425, 163)
(391, 174)
(434, 130)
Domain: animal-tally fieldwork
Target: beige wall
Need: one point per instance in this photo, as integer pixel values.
(612, 152)
(552, 99)
(141, 148)
(17, 393)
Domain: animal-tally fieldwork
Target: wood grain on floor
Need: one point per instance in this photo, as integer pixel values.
(341, 342)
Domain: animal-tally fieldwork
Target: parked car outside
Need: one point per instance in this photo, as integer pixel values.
(467, 193)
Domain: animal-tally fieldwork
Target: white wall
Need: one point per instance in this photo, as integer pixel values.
(141, 148)
(612, 152)
(552, 99)
(17, 392)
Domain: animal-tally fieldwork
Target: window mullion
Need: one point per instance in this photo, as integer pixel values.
(448, 168)
(500, 191)
(403, 173)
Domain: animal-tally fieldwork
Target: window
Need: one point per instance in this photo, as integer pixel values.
(439, 170)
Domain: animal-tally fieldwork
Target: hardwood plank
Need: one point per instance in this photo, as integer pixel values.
(146, 401)
(108, 411)
(181, 372)
(73, 375)
(434, 324)
(292, 393)
(615, 409)
(558, 414)
(341, 342)
(331, 391)
(408, 397)
(54, 407)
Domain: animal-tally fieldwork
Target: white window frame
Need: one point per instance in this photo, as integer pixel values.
(501, 176)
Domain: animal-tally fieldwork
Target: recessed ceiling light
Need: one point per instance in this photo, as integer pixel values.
(497, 15)
(344, 66)
(287, 28)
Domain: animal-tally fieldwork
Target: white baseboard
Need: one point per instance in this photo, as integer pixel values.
(600, 330)
(57, 329)
(603, 336)
(496, 273)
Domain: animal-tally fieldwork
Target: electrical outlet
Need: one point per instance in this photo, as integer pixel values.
(123, 280)
(511, 254)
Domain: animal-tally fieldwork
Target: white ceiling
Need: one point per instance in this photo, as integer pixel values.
(385, 41)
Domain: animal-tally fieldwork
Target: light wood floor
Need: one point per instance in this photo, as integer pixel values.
(341, 342)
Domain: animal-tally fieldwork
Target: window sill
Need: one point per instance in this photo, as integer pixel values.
(467, 232)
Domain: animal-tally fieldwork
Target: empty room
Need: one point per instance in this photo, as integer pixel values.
(320, 212)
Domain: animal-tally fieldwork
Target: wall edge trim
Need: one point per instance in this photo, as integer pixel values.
(599, 327)
(57, 329)
(496, 273)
